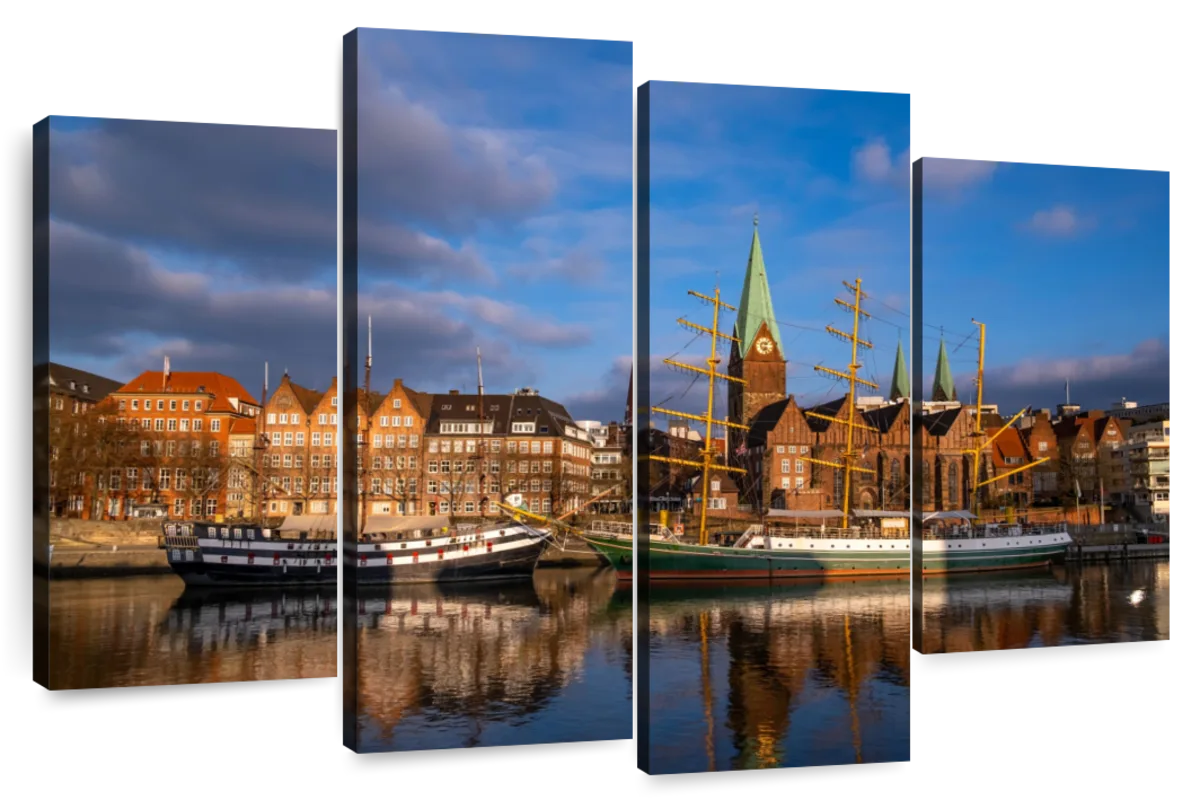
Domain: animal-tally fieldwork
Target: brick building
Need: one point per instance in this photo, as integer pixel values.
(178, 460)
(299, 460)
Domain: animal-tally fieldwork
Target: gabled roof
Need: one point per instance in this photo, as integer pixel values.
(939, 423)
(221, 387)
(882, 418)
(1008, 444)
(755, 307)
(829, 409)
(309, 399)
(765, 421)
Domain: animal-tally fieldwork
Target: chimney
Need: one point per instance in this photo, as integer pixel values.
(166, 371)
(398, 383)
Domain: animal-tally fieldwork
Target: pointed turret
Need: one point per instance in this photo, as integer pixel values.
(899, 376)
(943, 379)
(755, 307)
(629, 401)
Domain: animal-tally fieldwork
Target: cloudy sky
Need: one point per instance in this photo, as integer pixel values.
(1067, 266)
(827, 173)
(495, 210)
(213, 244)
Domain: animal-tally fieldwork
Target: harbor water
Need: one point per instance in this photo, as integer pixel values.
(740, 676)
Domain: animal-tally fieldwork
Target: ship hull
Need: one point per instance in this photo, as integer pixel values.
(804, 558)
(233, 557)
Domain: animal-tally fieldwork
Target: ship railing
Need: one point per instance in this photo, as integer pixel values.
(819, 532)
(179, 543)
(603, 527)
(992, 531)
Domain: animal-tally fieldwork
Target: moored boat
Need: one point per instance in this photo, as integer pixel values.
(205, 553)
(809, 552)
(427, 549)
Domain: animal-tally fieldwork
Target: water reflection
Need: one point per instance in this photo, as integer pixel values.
(149, 631)
(745, 677)
(1075, 604)
(548, 660)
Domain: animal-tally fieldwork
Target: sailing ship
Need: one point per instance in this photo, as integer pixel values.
(858, 542)
(406, 549)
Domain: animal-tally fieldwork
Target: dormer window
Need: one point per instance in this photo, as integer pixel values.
(72, 386)
(85, 388)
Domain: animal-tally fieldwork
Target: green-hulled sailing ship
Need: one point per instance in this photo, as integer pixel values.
(850, 542)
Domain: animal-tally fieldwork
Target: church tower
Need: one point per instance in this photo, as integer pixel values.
(899, 390)
(943, 378)
(757, 357)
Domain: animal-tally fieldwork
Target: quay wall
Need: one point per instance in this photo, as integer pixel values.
(95, 562)
(92, 532)
(1117, 552)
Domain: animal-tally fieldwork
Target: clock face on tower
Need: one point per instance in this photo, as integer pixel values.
(764, 345)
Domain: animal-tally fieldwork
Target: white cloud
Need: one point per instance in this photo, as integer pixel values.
(1060, 220)
(873, 162)
(954, 176)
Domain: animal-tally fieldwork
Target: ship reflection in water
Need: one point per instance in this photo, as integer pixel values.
(150, 631)
(784, 675)
(1077, 604)
(464, 665)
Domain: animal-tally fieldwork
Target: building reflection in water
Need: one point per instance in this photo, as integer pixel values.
(1076, 604)
(149, 631)
(546, 660)
(799, 674)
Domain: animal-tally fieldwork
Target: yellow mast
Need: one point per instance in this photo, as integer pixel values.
(849, 455)
(706, 464)
(977, 434)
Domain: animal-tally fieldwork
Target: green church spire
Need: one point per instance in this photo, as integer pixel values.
(755, 307)
(899, 376)
(943, 380)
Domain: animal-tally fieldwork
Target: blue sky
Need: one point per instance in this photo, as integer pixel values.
(827, 172)
(1067, 266)
(495, 210)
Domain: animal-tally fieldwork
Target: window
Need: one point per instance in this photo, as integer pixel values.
(524, 447)
(334, 403)
(389, 441)
(321, 419)
(803, 449)
(287, 439)
(300, 438)
(791, 448)
(408, 422)
(214, 448)
(174, 406)
(785, 466)
(396, 402)
(952, 479)
(524, 427)
(183, 424)
(171, 424)
(186, 403)
(215, 426)
(396, 422)
(275, 437)
(158, 424)
(295, 419)
(786, 482)
(1043, 447)
(377, 440)
(159, 405)
(799, 483)
(133, 404)
(210, 507)
(287, 460)
(383, 422)
(779, 448)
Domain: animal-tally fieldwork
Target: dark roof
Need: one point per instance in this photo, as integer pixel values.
(829, 409)
(939, 423)
(98, 387)
(765, 421)
(309, 399)
(883, 418)
(549, 417)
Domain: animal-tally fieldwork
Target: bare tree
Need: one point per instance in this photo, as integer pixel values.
(203, 469)
(112, 445)
(70, 446)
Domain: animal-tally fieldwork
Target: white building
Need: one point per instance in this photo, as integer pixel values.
(1145, 457)
(1128, 409)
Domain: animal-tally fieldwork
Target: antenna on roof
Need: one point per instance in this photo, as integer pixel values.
(166, 370)
(368, 342)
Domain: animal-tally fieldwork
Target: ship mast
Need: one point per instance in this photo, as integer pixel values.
(364, 453)
(480, 446)
(707, 463)
(849, 454)
(977, 434)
